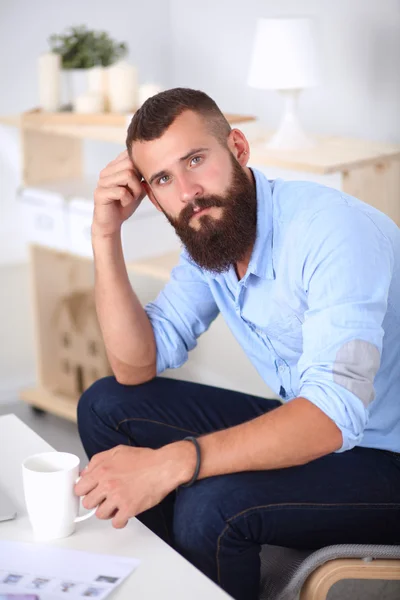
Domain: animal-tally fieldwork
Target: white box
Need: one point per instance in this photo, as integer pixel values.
(79, 215)
(147, 233)
(44, 217)
(59, 215)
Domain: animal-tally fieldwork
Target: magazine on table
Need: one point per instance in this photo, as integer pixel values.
(44, 572)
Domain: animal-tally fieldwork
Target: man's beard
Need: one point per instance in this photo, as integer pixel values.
(221, 242)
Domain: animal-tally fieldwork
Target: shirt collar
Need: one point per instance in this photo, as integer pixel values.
(261, 261)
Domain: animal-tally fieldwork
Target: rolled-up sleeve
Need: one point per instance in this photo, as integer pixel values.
(347, 270)
(183, 310)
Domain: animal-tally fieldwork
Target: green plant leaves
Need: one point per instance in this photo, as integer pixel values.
(81, 48)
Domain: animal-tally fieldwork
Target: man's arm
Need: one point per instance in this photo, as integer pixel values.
(126, 329)
(293, 434)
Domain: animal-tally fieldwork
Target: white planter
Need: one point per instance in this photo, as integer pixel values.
(74, 83)
(122, 87)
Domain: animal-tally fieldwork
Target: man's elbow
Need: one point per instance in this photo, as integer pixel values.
(134, 379)
(135, 375)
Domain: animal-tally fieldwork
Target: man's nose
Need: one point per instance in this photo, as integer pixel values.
(189, 190)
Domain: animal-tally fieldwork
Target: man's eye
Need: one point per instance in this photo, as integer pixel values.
(163, 179)
(197, 159)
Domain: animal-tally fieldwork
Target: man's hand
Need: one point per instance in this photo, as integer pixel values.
(125, 481)
(118, 194)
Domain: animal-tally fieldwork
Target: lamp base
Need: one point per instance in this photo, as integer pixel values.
(290, 134)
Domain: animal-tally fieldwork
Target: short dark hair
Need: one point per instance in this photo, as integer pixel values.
(158, 112)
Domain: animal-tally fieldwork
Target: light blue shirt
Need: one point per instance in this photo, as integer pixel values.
(317, 312)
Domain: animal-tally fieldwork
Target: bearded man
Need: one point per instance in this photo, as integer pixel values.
(308, 280)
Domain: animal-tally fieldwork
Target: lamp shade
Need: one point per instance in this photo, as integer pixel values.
(284, 54)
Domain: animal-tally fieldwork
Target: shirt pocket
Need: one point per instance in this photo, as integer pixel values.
(285, 326)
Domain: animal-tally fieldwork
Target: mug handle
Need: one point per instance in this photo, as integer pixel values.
(87, 515)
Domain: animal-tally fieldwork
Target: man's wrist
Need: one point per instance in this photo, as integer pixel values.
(99, 233)
(182, 457)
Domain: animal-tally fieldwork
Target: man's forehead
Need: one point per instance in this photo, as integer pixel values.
(186, 132)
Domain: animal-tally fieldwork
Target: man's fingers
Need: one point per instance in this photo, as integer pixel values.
(85, 485)
(107, 509)
(94, 498)
(96, 460)
(109, 195)
(125, 177)
(120, 520)
(114, 167)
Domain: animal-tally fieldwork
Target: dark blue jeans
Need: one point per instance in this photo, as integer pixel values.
(220, 523)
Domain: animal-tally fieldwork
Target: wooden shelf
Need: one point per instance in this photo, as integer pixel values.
(11, 120)
(102, 133)
(85, 129)
(329, 155)
(53, 403)
(159, 267)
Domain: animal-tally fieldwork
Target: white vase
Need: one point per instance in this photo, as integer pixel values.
(49, 81)
(98, 83)
(122, 87)
(146, 91)
(74, 84)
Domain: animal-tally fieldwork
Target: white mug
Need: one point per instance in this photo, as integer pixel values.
(52, 505)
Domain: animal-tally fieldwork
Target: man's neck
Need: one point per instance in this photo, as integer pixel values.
(242, 265)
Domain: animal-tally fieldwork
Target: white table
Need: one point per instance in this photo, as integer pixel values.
(163, 573)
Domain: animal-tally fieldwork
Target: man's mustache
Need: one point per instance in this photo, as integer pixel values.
(199, 204)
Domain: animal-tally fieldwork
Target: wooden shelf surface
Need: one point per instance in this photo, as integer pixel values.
(329, 155)
(85, 126)
(159, 267)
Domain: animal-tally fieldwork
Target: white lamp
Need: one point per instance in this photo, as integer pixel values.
(284, 59)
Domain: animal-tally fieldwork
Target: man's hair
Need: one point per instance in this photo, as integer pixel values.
(158, 112)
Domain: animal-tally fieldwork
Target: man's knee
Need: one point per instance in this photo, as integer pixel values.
(96, 399)
(100, 410)
(106, 403)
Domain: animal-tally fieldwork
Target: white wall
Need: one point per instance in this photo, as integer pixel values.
(359, 41)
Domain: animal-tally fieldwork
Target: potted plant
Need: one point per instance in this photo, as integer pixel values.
(81, 49)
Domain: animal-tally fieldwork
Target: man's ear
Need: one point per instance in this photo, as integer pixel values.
(151, 195)
(239, 146)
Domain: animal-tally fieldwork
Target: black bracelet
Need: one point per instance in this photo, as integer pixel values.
(197, 469)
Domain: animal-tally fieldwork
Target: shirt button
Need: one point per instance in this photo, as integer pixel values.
(281, 368)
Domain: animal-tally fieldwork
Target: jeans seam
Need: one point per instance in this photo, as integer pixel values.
(155, 423)
(292, 505)
(112, 425)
